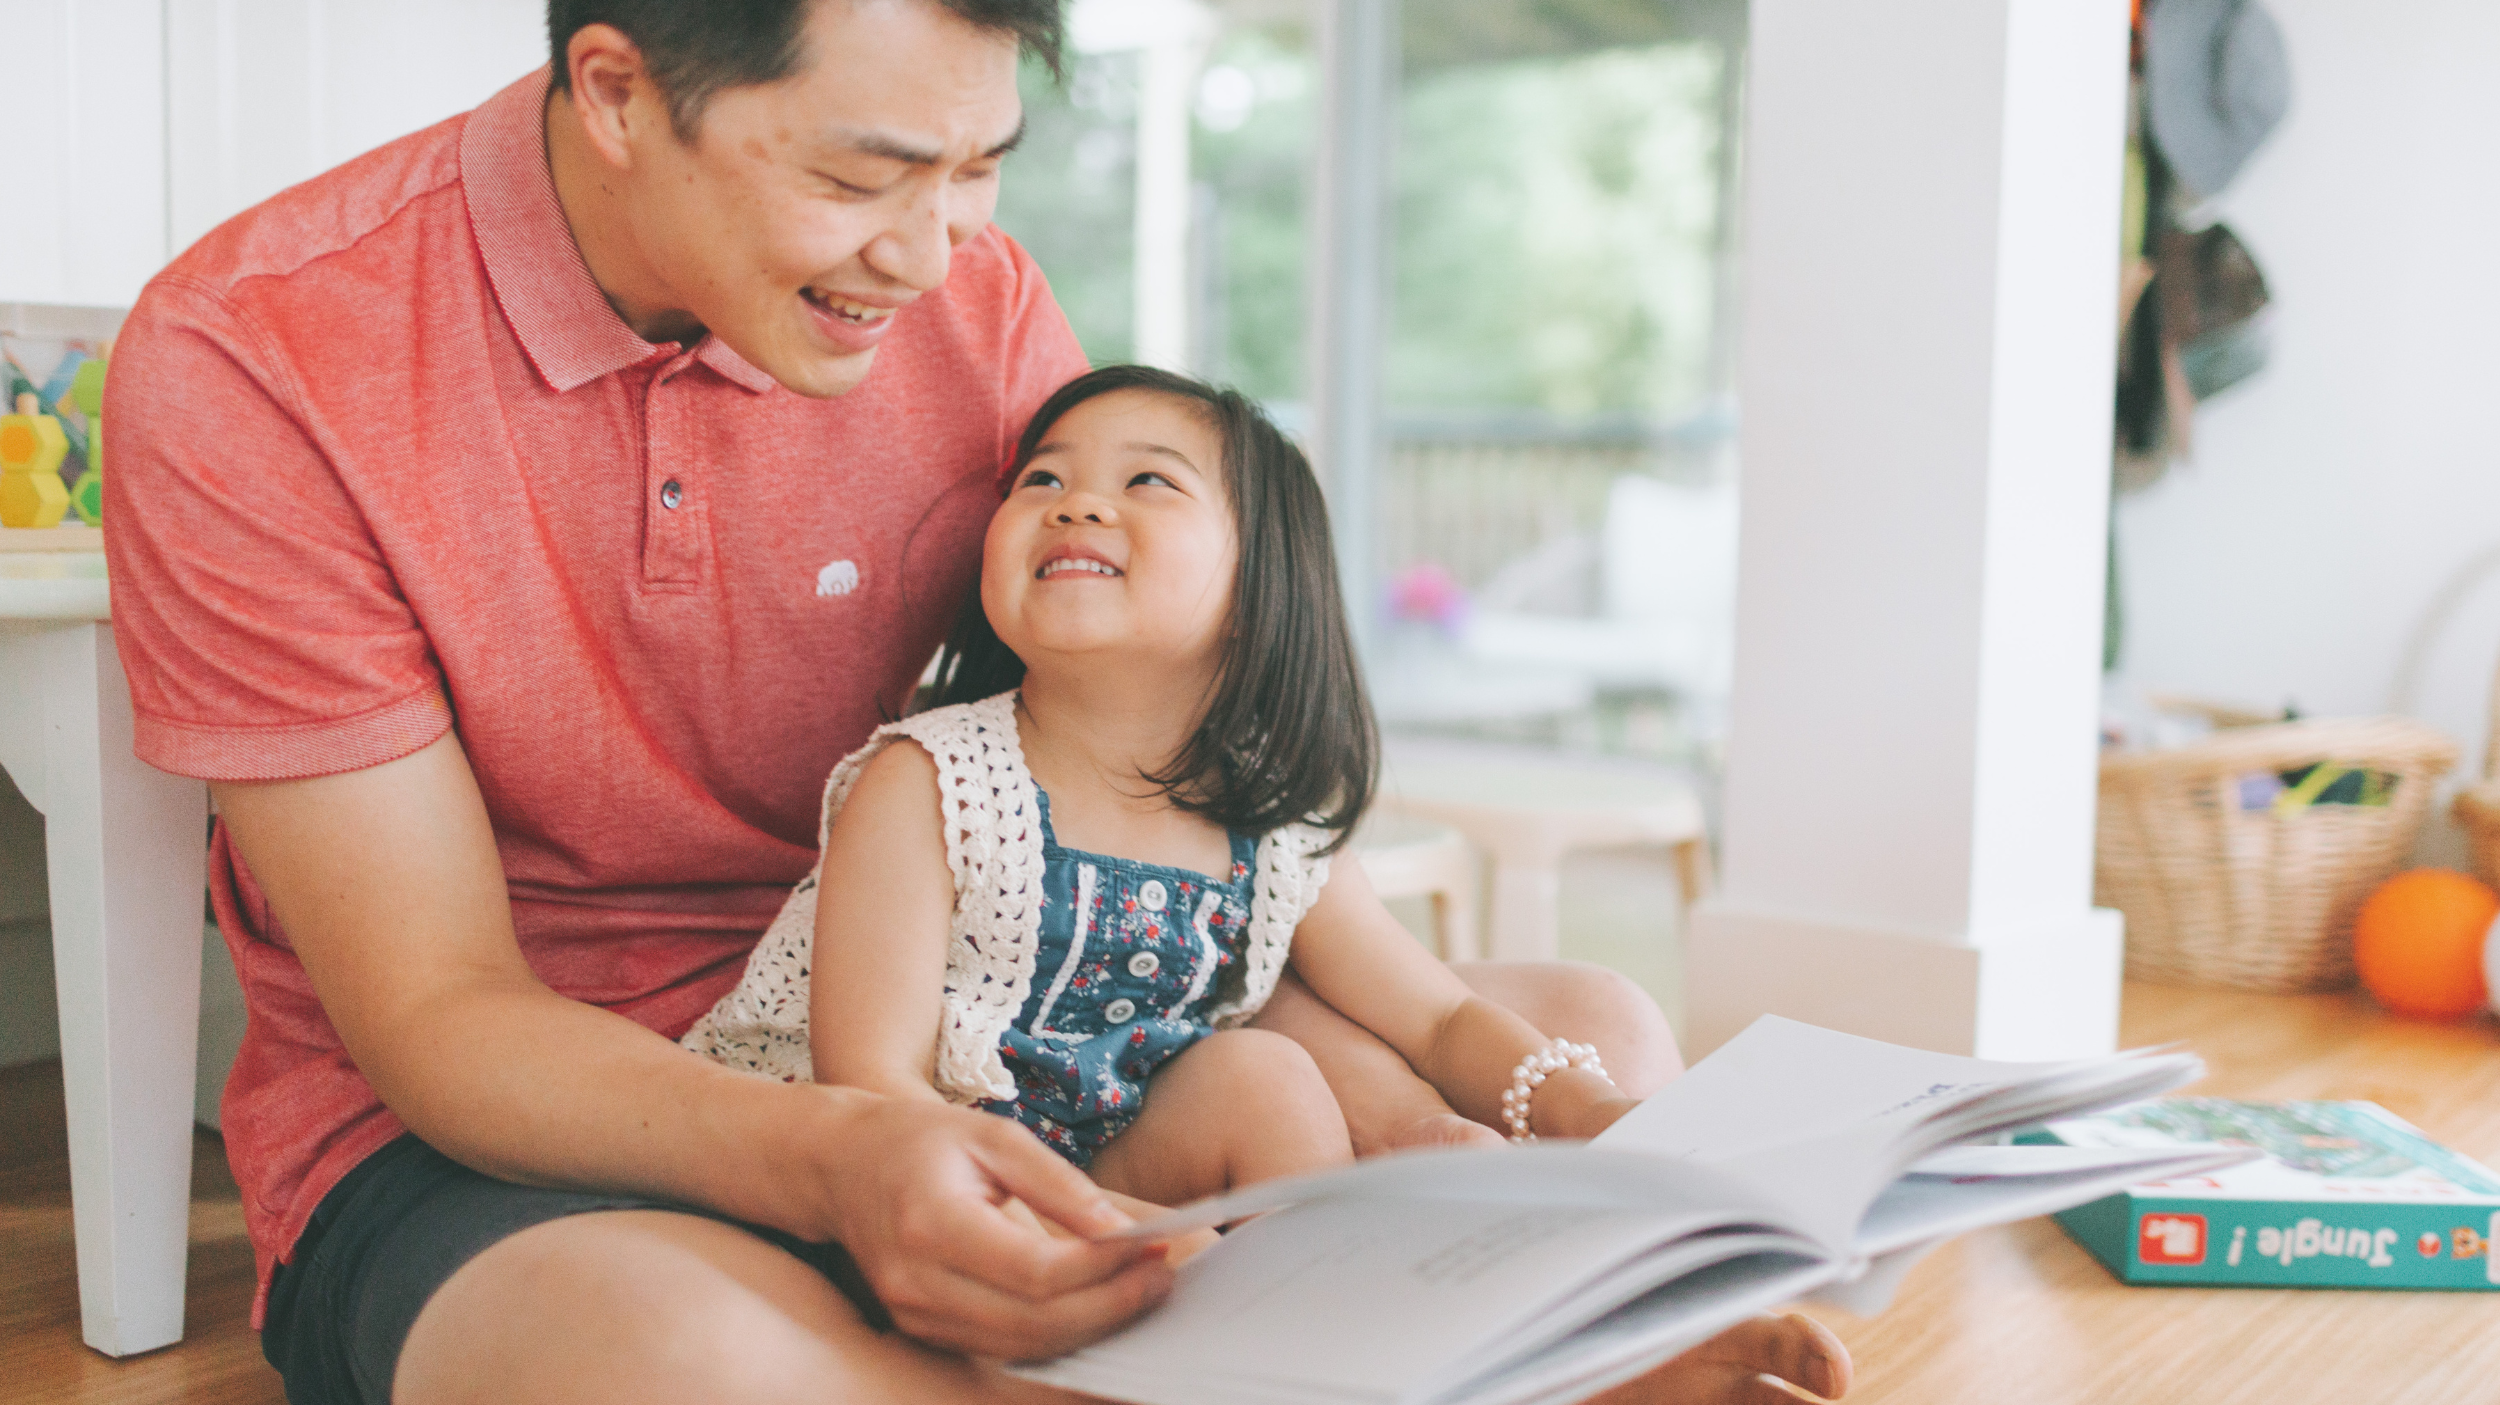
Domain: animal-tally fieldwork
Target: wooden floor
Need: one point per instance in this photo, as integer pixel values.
(41, 1357)
(2021, 1316)
(2015, 1316)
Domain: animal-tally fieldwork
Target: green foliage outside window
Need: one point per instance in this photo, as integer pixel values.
(1556, 223)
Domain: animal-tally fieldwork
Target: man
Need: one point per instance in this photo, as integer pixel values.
(513, 526)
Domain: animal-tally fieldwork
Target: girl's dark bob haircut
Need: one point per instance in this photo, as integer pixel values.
(1287, 735)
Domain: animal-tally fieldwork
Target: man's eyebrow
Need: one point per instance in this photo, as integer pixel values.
(910, 153)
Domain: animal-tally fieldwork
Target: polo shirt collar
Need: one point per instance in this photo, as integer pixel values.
(563, 322)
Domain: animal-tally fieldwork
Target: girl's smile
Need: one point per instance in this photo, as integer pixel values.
(1077, 561)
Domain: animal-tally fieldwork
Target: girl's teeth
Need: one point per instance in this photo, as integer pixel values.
(1078, 563)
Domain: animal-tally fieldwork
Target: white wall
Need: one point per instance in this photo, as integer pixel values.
(2331, 498)
(138, 125)
(264, 93)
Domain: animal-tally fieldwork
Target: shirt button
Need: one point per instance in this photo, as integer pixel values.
(1120, 1011)
(671, 494)
(1153, 894)
(1144, 964)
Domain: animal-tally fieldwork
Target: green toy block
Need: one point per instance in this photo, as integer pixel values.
(86, 391)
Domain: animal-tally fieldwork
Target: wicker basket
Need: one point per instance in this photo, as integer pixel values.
(2256, 899)
(2477, 807)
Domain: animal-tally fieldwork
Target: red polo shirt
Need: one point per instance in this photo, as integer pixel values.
(386, 463)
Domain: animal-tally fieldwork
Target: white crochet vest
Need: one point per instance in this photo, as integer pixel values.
(994, 849)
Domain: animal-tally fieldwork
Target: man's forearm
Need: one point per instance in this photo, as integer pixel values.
(522, 1083)
(389, 886)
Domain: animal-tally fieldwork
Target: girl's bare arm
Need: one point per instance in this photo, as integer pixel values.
(1357, 957)
(884, 910)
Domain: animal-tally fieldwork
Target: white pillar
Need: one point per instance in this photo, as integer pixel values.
(1167, 78)
(1346, 278)
(1171, 39)
(1932, 217)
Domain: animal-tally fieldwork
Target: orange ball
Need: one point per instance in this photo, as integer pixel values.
(2419, 943)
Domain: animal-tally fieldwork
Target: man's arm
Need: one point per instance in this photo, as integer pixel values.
(389, 886)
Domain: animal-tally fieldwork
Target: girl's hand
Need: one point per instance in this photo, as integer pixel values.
(1577, 1103)
(1594, 1117)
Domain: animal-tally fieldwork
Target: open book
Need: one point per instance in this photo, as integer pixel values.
(1793, 1162)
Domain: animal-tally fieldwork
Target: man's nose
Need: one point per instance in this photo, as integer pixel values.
(918, 247)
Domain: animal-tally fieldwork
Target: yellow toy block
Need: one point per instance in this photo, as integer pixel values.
(31, 448)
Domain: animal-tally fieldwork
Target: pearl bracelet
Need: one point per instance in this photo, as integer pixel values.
(1532, 1071)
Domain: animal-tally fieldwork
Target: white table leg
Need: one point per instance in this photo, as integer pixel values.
(127, 862)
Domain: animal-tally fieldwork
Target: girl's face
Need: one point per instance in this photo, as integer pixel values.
(1116, 539)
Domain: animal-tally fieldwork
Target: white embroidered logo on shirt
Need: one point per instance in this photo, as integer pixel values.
(840, 578)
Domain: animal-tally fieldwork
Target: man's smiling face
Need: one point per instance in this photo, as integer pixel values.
(803, 217)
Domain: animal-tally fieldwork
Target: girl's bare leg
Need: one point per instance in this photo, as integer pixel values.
(1238, 1106)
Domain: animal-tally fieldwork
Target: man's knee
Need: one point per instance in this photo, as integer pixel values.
(1581, 1001)
(636, 1305)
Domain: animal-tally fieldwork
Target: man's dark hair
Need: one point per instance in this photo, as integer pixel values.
(1287, 735)
(695, 49)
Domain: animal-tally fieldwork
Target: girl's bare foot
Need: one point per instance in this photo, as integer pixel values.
(1441, 1130)
(1745, 1365)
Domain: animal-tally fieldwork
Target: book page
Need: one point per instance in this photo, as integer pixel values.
(1375, 1296)
(1822, 1121)
(1926, 1207)
(1781, 1082)
(1546, 1173)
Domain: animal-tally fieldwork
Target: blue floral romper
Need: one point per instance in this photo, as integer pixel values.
(1132, 957)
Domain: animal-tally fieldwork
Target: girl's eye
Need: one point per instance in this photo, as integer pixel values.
(1039, 478)
(1151, 477)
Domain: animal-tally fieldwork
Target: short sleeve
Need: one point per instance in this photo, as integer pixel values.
(262, 633)
(1042, 350)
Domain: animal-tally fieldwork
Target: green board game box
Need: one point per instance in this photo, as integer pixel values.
(2347, 1195)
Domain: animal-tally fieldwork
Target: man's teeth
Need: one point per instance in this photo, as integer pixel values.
(848, 310)
(1077, 563)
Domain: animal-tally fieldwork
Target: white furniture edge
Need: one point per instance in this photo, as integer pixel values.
(127, 860)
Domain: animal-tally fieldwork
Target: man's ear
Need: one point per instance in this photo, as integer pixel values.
(608, 75)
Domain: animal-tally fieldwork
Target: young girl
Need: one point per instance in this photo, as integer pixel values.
(1065, 889)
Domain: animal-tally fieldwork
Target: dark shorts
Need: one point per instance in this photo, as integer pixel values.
(394, 1230)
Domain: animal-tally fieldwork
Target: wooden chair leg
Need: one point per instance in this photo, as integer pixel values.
(1692, 870)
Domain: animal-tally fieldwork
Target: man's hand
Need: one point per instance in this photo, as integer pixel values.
(923, 1196)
